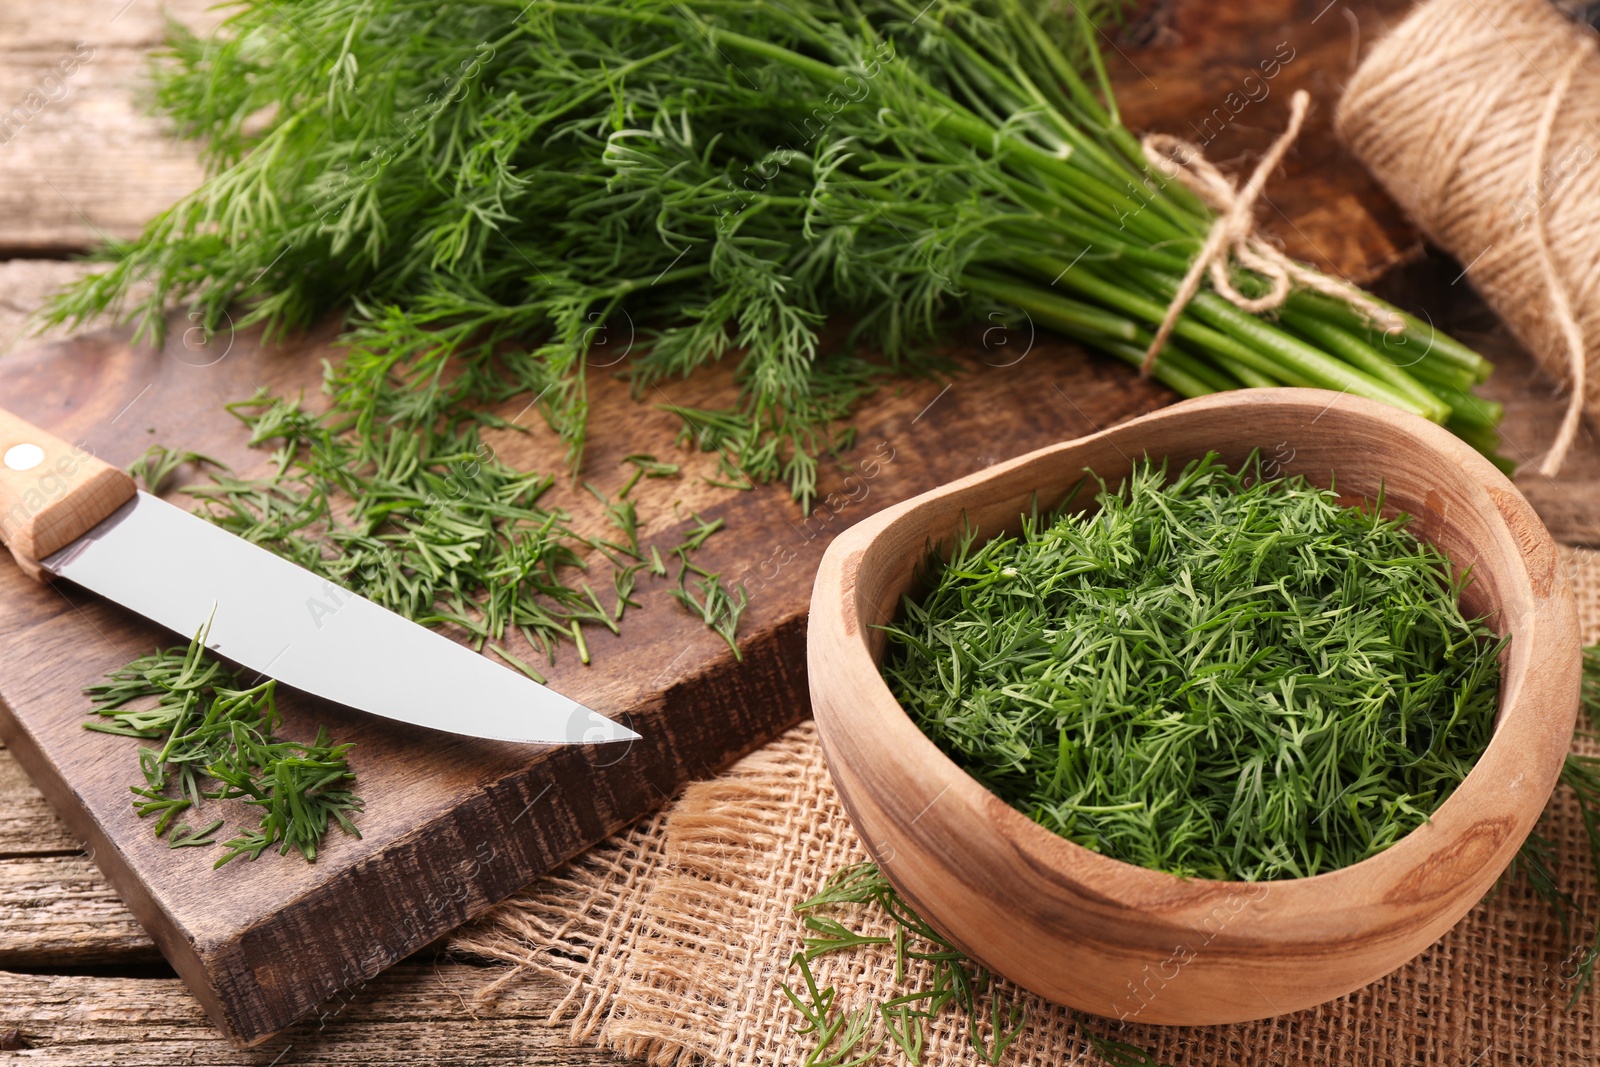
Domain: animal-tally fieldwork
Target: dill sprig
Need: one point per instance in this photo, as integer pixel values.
(492, 198)
(1217, 674)
(1537, 858)
(945, 980)
(218, 741)
(948, 980)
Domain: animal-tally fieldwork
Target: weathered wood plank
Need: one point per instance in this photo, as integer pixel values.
(56, 908)
(59, 911)
(25, 287)
(420, 1011)
(27, 825)
(80, 160)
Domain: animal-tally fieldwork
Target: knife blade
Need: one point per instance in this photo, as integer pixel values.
(66, 514)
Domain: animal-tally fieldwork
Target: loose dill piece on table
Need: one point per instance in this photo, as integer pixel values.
(647, 466)
(185, 836)
(702, 529)
(1211, 672)
(217, 740)
(154, 469)
(624, 515)
(943, 980)
(1536, 860)
(705, 597)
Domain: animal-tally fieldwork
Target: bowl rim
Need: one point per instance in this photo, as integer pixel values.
(1126, 886)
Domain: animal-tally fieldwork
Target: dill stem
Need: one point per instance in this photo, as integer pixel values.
(1471, 410)
(1237, 334)
(1116, 336)
(1182, 373)
(1438, 345)
(1083, 317)
(1365, 358)
(1265, 351)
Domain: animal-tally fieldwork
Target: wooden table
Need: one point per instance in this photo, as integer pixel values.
(79, 981)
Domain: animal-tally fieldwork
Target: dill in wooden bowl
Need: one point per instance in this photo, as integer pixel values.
(1221, 674)
(1205, 745)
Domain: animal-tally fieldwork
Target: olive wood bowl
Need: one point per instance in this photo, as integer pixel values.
(1098, 934)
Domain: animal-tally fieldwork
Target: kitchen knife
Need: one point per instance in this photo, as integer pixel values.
(66, 514)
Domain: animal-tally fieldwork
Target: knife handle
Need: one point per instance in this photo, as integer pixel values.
(51, 493)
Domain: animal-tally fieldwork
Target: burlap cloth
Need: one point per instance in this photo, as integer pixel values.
(672, 939)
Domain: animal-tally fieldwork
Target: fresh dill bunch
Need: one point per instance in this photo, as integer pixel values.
(482, 191)
(218, 741)
(1217, 674)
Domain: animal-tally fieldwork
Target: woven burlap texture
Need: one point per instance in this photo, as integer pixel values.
(673, 938)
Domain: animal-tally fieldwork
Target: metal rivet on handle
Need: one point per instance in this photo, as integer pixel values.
(24, 457)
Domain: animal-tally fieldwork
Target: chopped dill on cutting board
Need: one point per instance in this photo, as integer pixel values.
(1220, 675)
(433, 527)
(217, 740)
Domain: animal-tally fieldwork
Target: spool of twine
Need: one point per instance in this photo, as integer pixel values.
(1482, 119)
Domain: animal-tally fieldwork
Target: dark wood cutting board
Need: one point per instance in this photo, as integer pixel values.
(453, 825)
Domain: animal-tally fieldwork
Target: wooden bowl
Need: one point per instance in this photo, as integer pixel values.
(1118, 940)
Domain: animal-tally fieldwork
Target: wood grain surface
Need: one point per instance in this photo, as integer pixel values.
(81, 159)
(414, 1014)
(89, 164)
(1086, 929)
(82, 985)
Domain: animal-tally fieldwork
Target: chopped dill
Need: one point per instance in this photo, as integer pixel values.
(432, 526)
(218, 741)
(1218, 675)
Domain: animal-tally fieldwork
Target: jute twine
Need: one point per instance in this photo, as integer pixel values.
(1482, 119)
(672, 940)
(1233, 236)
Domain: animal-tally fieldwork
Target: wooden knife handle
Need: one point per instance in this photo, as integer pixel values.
(51, 493)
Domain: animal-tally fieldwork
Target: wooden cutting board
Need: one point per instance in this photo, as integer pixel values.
(453, 825)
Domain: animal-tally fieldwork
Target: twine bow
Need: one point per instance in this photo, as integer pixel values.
(1233, 236)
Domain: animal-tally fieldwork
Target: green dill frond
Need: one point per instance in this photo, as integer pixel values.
(481, 192)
